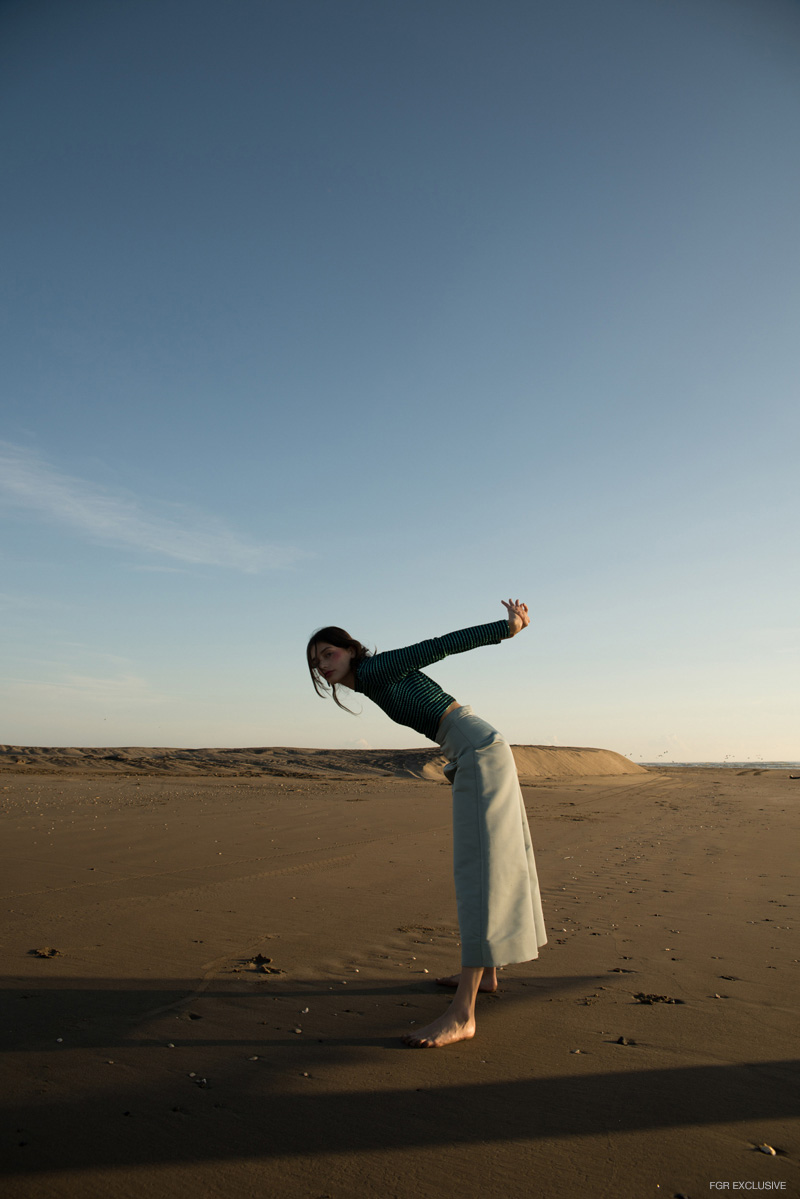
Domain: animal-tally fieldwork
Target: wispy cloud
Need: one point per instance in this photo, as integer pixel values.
(114, 518)
(124, 689)
(11, 603)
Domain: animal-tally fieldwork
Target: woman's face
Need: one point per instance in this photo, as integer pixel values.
(332, 663)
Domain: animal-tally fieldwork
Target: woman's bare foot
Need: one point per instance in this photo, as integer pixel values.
(487, 983)
(458, 1022)
(444, 1031)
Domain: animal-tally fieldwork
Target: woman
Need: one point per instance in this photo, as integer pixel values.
(497, 891)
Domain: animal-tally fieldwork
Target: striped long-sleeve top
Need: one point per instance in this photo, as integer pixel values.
(394, 681)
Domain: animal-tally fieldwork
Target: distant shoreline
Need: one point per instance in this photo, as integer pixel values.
(724, 765)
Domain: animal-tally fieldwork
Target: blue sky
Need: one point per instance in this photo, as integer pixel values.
(375, 313)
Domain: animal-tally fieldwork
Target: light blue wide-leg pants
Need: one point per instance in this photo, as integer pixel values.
(497, 888)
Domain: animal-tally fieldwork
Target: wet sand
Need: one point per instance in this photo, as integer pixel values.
(229, 961)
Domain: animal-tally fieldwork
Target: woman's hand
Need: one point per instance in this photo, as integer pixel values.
(518, 618)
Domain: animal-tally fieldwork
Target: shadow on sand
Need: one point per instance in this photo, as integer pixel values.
(149, 1111)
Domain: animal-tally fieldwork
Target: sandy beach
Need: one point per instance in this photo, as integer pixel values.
(210, 957)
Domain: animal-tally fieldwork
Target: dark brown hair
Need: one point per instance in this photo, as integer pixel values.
(342, 640)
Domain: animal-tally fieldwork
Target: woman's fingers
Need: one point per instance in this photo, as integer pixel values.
(518, 617)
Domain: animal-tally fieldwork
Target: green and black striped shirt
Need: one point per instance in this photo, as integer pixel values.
(395, 682)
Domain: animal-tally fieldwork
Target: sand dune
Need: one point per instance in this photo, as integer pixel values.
(533, 762)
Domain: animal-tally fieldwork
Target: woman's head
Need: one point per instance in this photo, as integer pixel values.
(333, 656)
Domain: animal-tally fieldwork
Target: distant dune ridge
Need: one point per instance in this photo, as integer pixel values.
(533, 762)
